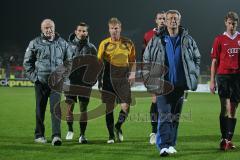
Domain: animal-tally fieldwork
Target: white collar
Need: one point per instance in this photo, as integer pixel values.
(155, 29)
(231, 36)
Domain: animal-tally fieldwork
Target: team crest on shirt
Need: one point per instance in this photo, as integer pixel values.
(239, 43)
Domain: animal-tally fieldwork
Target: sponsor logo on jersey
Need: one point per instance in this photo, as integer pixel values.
(233, 51)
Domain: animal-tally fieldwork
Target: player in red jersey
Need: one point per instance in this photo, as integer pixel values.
(160, 21)
(225, 66)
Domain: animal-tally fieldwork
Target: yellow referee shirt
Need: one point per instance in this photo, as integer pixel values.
(118, 53)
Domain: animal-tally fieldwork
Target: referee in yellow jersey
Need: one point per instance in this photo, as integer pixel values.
(118, 55)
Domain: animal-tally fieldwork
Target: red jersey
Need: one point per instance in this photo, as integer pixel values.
(226, 50)
(148, 36)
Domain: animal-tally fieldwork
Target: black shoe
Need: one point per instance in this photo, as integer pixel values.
(82, 139)
(56, 141)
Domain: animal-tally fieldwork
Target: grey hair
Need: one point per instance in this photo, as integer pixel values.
(174, 12)
(47, 21)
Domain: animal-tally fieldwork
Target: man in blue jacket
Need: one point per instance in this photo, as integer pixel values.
(176, 50)
(43, 55)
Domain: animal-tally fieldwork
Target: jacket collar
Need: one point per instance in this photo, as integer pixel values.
(163, 31)
(73, 39)
(55, 38)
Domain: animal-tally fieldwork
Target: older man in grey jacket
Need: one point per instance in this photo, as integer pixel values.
(173, 60)
(43, 55)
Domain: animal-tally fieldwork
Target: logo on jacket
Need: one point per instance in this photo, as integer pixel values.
(74, 47)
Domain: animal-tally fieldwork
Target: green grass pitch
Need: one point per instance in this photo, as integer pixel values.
(198, 137)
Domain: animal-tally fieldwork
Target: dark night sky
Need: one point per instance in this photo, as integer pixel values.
(20, 19)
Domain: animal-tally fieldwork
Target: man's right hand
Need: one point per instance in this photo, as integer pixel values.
(212, 87)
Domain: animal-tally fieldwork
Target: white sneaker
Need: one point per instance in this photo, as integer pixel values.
(40, 140)
(82, 139)
(69, 135)
(152, 138)
(172, 150)
(164, 152)
(119, 134)
(110, 141)
(56, 141)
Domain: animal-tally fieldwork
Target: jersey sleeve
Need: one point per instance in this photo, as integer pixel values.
(132, 55)
(216, 48)
(145, 41)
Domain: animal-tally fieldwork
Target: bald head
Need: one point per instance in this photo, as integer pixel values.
(48, 28)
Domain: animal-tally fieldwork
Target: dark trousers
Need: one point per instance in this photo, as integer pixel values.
(42, 93)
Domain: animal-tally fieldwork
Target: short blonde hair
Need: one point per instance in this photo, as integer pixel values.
(114, 21)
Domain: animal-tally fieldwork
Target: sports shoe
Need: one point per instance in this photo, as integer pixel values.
(56, 141)
(111, 140)
(69, 135)
(164, 152)
(230, 145)
(152, 138)
(82, 139)
(223, 145)
(172, 150)
(40, 140)
(119, 134)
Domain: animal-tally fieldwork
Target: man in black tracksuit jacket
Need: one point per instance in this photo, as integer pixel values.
(79, 48)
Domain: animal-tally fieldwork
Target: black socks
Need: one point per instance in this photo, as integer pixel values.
(154, 117)
(110, 124)
(223, 126)
(231, 123)
(122, 117)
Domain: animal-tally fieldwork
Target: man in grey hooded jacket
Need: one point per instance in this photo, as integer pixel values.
(43, 56)
(173, 65)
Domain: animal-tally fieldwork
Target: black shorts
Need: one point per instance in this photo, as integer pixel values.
(116, 85)
(80, 92)
(70, 99)
(229, 87)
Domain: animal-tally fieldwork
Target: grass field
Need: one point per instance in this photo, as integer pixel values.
(198, 133)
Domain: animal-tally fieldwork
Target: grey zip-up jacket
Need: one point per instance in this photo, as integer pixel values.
(42, 57)
(155, 54)
(78, 48)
